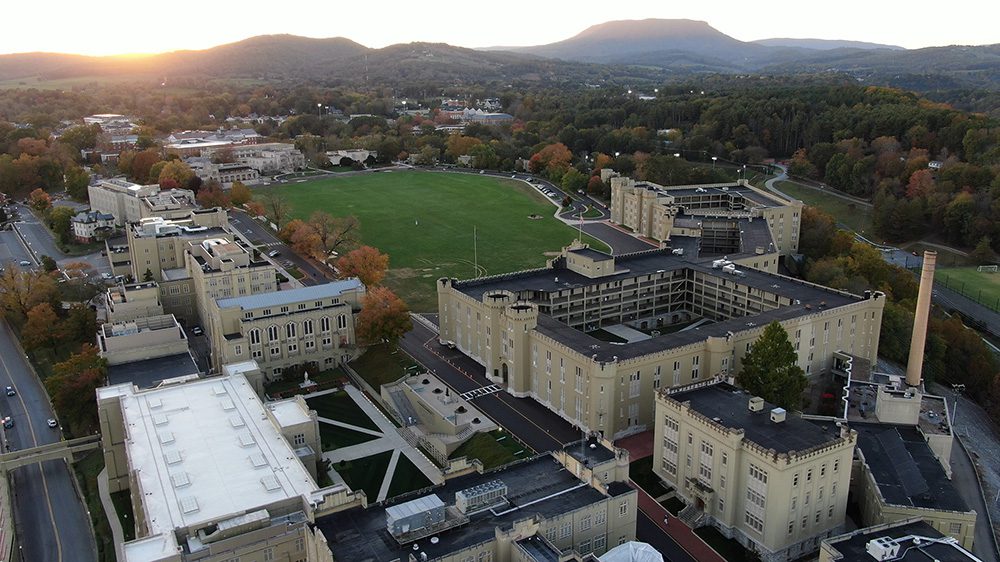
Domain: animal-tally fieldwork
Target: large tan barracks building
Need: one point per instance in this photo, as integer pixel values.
(594, 336)
(750, 226)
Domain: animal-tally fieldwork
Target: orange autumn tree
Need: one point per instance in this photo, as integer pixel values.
(366, 263)
(384, 317)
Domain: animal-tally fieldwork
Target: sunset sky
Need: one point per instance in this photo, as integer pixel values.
(103, 27)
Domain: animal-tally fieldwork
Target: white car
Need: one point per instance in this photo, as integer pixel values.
(52, 422)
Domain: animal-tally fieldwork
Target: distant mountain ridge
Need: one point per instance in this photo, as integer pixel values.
(824, 44)
(626, 51)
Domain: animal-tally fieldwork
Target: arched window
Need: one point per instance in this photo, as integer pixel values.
(307, 327)
(272, 333)
(290, 330)
(254, 336)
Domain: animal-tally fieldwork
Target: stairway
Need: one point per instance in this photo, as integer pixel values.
(691, 516)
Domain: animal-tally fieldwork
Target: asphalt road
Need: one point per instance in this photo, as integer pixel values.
(263, 236)
(530, 421)
(51, 522)
(41, 243)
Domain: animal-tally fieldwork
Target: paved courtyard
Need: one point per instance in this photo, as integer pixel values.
(387, 438)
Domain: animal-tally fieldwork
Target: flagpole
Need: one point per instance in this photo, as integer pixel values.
(475, 251)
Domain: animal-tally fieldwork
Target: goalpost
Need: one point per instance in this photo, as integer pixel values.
(987, 269)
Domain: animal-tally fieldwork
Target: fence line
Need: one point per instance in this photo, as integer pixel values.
(970, 292)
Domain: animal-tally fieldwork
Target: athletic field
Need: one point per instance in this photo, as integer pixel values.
(983, 288)
(425, 222)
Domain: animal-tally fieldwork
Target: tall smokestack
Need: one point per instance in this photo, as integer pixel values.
(916, 363)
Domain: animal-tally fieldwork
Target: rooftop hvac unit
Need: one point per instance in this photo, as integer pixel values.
(882, 548)
(729, 268)
(778, 415)
(477, 497)
(756, 404)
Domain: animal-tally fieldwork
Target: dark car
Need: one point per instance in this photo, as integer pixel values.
(10, 391)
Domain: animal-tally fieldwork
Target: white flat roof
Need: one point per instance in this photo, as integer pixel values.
(204, 450)
(289, 412)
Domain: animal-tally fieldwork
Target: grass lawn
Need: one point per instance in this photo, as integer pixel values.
(673, 505)
(380, 365)
(365, 473)
(406, 478)
(493, 449)
(425, 222)
(980, 287)
(727, 548)
(87, 470)
(123, 506)
(641, 472)
(856, 217)
(341, 407)
(333, 437)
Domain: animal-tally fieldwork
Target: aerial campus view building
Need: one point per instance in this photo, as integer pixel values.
(593, 336)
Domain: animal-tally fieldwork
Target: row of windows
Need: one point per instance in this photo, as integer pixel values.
(292, 328)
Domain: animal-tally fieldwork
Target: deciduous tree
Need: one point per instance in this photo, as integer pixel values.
(73, 387)
(22, 290)
(176, 170)
(60, 220)
(211, 195)
(770, 369)
(39, 329)
(276, 209)
(366, 263)
(239, 194)
(335, 233)
(39, 201)
(384, 317)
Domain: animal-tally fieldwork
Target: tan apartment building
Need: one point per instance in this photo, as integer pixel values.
(733, 219)
(156, 243)
(309, 325)
(564, 506)
(131, 301)
(593, 336)
(214, 474)
(773, 481)
(129, 202)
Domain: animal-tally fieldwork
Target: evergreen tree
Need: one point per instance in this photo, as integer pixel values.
(770, 370)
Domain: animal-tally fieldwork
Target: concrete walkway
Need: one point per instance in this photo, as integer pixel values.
(117, 533)
(389, 439)
(383, 492)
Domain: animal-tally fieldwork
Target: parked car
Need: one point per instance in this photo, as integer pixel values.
(52, 422)
(8, 422)
(10, 391)
(273, 253)
(26, 263)
(196, 330)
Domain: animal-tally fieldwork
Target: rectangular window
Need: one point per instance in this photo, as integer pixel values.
(623, 509)
(585, 523)
(566, 530)
(299, 439)
(954, 528)
(600, 518)
(791, 527)
(599, 543)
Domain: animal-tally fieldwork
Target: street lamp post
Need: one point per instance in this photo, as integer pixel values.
(319, 109)
(714, 158)
(959, 389)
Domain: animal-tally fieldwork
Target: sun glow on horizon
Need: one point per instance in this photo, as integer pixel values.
(197, 25)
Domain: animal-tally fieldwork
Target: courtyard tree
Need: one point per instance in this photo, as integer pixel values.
(770, 369)
(177, 171)
(77, 180)
(366, 263)
(384, 317)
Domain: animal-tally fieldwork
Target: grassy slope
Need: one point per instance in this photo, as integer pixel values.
(425, 220)
(857, 217)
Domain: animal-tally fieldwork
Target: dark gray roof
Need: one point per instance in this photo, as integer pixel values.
(853, 547)
(534, 285)
(729, 406)
(905, 468)
(150, 372)
(360, 534)
(589, 452)
(539, 550)
(592, 254)
(731, 190)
